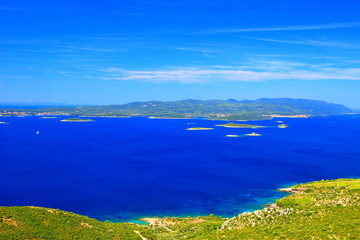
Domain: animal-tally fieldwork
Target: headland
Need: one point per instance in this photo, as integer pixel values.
(323, 210)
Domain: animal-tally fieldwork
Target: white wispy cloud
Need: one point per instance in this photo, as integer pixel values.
(12, 9)
(193, 49)
(271, 65)
(353, 61)
(310, 42)
(273, 71)
(14, 77)
(205, 52)
(95, 49)
(115, 12)
(283, 28)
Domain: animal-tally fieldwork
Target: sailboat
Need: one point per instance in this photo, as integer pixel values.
(37, 132)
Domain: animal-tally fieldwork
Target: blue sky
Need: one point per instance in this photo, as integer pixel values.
(116, 51)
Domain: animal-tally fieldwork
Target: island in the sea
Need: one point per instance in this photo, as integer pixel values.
(283, 125)
(317, 210)
(253, 134)
(76, 119)
(231, 109)
(237, 125)
(199, 128)
(2, 122)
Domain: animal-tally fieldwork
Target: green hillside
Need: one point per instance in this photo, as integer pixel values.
(46, 223)
(318, 210)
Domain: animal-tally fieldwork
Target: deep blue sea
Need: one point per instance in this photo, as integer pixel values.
(122, 169)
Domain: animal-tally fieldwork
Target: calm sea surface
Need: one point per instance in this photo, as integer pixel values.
(123, 169)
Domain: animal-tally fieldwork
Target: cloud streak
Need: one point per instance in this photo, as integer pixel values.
(205, 52)
(283, 28)
(310, 42)
(12, 9)
(233, 74)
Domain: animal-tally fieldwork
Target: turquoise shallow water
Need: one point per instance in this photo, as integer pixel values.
(126, 168)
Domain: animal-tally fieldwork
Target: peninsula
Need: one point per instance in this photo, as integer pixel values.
(317, 210)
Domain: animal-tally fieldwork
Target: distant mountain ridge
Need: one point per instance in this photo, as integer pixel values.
(230, 109)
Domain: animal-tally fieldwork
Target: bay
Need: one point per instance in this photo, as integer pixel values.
(122, 169)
